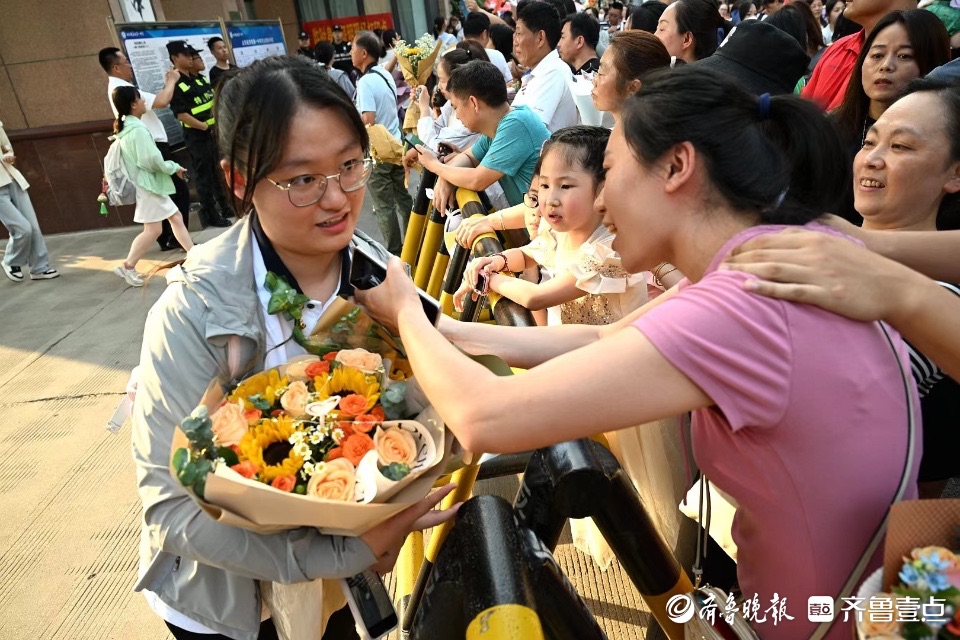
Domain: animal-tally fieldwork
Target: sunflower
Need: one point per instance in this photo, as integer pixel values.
(345, 381)
(268, 446)
(265, 384)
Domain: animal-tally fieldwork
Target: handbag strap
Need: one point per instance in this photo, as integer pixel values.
(860, 568)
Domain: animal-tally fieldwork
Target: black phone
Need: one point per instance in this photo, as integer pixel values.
(366, 272)
(370, 604)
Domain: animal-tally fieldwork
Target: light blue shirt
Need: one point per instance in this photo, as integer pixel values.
(379, 95)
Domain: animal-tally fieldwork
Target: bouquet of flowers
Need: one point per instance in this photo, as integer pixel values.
(916, 594)
(924, 605)
(416, 63)
(318, 430)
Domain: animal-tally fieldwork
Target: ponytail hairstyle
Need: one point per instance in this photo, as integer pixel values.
(123, 99)
(464, 52)
(582, 147)
(931, 48)
(254, 111)
(701, 19)
(778, 156)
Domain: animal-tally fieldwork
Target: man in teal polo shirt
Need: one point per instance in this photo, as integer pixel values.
(508, 150)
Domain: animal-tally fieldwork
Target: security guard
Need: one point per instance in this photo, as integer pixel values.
(192, 103)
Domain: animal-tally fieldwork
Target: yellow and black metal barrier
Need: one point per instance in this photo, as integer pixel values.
(491, 579)
(418, 219)
(505, 311)
(582, 479)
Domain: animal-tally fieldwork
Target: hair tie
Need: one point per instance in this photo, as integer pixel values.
(764, 106)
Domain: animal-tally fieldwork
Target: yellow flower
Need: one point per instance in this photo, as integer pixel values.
(345, 381)
(266, 384)
(413, 52)
(273, 437)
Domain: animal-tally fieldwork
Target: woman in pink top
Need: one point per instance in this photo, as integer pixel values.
(799, 414)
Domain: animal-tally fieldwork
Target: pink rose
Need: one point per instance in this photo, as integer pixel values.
(294, 399)
(229, 424)
(360, 359)
(394, 444)
(336, 480)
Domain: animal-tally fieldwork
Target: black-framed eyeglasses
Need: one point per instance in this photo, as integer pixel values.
(531, 200)
(306, 190)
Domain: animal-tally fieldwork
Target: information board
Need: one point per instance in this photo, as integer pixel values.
(253, 41)
(146, 48)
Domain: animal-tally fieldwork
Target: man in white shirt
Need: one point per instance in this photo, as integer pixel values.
(546, 89)
(476, 26)
(376, 101)
(120, 74)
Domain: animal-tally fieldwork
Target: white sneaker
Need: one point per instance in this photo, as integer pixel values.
(14, 273)
(131, 276)
(49, 274)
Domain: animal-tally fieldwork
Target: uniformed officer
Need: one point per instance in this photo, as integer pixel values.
(341, 53)
(304, 48)
(192, 104)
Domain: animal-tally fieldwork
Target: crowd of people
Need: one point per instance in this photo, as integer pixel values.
(763, 237)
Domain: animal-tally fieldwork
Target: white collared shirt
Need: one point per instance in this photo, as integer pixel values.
(149, 119)
(280, 346)
(546, 92)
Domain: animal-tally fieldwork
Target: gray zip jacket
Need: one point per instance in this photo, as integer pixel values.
(206, 570)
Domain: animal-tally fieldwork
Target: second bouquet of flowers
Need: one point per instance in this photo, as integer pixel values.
(329, 442)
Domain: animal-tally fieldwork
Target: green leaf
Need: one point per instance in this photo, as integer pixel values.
(200, 486)
(188, 474)
(270, 282)
(301, 489)
(229, 456)
(180, 458)
(259, 402)
(395, 471)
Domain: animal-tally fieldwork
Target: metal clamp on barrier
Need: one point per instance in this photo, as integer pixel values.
(492, 577)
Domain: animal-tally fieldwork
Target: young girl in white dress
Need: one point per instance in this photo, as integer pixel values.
(151, 175)
(584, 283)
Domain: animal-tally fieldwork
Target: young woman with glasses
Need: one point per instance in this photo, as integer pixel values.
(295, 161)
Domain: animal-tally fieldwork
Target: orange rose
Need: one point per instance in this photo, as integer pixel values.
(377, 412)
(336, 480)
(394, 444)
(318, 368)
(352, 405)
(294, 399)
(365, 423)
(247, 469)
(284, 483)
(356, 446)
(253, 416)
(331, 356)
(229, 424)
(334, 454)
(360, 359)
(347, 428)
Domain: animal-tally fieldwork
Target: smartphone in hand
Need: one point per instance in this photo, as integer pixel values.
(367, 272)
(370, 605)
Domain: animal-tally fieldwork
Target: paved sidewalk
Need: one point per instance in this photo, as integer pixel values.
(70, 529)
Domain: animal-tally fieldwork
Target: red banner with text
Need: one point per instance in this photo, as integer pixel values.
(320, 30)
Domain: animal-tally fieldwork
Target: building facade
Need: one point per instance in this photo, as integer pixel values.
(53, 101)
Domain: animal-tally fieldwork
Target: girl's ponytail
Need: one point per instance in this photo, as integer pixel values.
(123, 99)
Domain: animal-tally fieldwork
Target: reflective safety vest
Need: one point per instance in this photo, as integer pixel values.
(199, 93)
